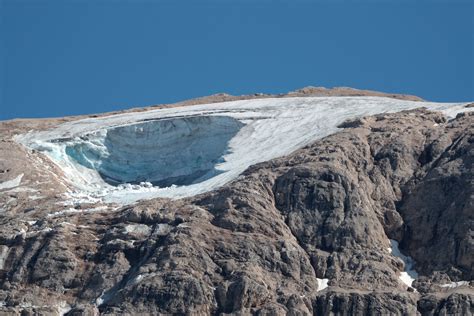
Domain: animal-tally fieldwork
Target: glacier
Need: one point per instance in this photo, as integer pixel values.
(183, 151)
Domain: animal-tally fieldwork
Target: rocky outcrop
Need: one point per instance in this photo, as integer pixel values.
(264, 243)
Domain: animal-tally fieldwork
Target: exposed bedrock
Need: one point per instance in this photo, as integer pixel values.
(438, 209)
(261, 244)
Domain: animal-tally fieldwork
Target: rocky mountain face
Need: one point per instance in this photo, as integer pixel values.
(313, 233)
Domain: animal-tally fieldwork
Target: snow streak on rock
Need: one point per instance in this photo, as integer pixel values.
(11, 183)
(454, 285)
(409, 275)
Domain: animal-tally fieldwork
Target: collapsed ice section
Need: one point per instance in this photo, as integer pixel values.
(183, 151)
(174, 151)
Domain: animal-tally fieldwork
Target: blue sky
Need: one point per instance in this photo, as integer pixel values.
(75, 57)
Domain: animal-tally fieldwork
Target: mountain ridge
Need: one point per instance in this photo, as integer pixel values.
(266, 242)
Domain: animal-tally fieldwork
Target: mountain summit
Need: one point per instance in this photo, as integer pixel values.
(315, 202)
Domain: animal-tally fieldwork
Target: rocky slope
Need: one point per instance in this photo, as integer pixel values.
(333, 212)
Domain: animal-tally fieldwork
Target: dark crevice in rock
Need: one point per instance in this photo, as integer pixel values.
(32, 263)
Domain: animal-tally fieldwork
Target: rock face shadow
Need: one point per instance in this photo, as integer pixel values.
(165, 152)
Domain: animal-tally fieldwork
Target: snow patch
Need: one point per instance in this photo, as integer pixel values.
(21, 189)
(75, 198)
(138, 279)
(141, 277)
(11, 183)
(454, 285)
(409, 275)
(100, 300)
(141, 229)
(163, 229)
(64, 308)
(322, 284)
(34, 233)
(74, 211)
(3, 255)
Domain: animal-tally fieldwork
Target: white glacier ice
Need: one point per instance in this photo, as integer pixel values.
(183, 151)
